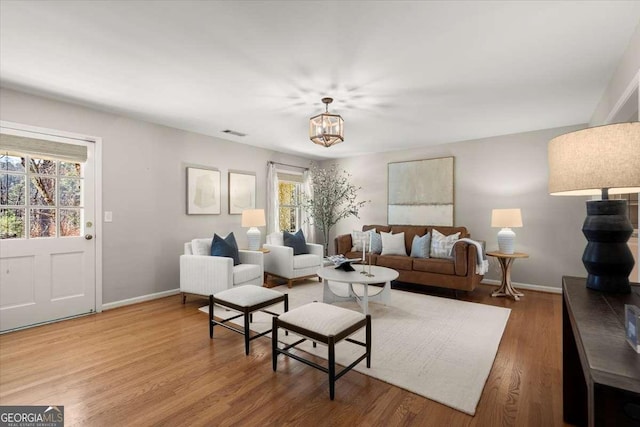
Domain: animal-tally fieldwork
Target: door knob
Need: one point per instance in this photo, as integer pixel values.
(88, 236)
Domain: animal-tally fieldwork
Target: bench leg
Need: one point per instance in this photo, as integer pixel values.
(332, 368)
(210, 316)
(368, 340)
(246, 332)
(289, 283)
(274, 341)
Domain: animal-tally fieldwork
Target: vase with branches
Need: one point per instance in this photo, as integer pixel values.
(333, 198)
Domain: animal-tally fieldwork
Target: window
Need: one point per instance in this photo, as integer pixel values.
(39, 197)
(289, 198)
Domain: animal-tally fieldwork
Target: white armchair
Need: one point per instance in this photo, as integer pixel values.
(203, 274)
(280, 262)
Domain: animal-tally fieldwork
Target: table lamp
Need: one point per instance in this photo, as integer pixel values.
(506, 218)
(253, 218)
(602, 160)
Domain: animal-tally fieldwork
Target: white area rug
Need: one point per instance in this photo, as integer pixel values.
(439, 348)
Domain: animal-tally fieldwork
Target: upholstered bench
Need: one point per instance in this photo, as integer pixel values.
(246, 299)
(326, 324)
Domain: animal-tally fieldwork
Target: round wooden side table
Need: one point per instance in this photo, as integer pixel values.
(506, 260)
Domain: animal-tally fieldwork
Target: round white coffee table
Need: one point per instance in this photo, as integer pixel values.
(379, 275)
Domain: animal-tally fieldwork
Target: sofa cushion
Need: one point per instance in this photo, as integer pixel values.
(434, 265)
(357, 237)
(441, 245)
(305, 261)
(421, 246)
(396, 262)
(393, 244)
(295, 241)
(226, 247)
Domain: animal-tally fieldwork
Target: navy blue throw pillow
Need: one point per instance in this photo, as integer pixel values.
(295, 241)
(226, 247)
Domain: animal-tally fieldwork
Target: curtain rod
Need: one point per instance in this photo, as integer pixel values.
(292, 166)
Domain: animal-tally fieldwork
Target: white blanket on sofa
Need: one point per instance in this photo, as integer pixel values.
(482, 264)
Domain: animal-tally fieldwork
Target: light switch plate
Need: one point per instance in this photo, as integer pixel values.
(108, 216)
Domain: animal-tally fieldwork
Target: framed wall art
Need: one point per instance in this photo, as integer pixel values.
(242, 191)
(203, 191)
(420, 192)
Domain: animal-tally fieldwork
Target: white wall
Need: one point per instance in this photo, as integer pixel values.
(627, 70)
(500, 172)
(144, 184)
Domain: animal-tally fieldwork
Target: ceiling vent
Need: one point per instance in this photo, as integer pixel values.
(234, 132)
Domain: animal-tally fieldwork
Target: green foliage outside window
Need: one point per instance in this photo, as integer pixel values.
(288, 197)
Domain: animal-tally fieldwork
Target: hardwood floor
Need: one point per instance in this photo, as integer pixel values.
(154, 364)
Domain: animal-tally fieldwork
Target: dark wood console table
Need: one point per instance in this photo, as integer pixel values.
(601, 372)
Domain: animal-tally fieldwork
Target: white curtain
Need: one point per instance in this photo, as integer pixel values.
(272, 199)
(308, 228)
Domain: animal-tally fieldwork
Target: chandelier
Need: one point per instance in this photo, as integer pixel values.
(326, 129)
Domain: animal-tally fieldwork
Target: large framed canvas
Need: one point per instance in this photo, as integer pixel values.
(420, 192)
(203, 191)
(242, 191)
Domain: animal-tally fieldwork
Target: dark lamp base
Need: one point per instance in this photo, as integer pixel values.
(607, 257)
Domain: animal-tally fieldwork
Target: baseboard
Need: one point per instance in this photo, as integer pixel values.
(549, 289)
(122, 303)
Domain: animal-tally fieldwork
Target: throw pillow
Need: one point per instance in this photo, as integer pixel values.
(376, 243)
(441, 245)
(420, 246)
(393, 244)
(295, 241)
(357, 238)
(226, 247)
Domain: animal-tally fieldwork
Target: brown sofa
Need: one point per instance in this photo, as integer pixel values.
(457, 273)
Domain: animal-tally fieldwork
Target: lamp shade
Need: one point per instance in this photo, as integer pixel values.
(584, 162)
(253, 218)
(506, 218)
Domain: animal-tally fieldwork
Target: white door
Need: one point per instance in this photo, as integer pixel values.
(47, 216)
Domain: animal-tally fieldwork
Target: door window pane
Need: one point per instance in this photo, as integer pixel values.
(42, 223)
(70, 192)
(12, 223)
(12, 191)
(69, 222)
(42, 191)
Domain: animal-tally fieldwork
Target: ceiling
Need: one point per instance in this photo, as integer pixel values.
(403, 74)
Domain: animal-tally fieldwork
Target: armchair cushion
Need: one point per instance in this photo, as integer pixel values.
(305, 261)
(246, 272)
(295, 241)
(226, 247)
(275, 238)
(201, 247)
